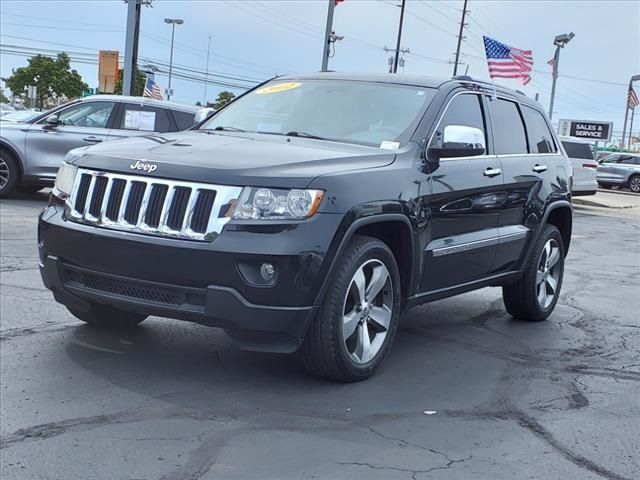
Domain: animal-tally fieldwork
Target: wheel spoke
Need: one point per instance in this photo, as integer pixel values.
(542, 295)
(349, 324)
(359, 281)
(539, 277)
(553, 258)
(547, 253)
(381, 317)
(363, 344)
(378, 280)
(552, 283)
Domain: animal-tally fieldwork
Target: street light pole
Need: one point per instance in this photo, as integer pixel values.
(560, 42)
(173, 22)
(327, 36)
(206, 76)
(626, 111)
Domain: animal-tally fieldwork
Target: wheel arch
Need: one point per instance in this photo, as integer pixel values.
(395, 230)
(6, 146)
(560, 214)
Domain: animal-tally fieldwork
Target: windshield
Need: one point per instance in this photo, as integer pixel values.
(345, 111)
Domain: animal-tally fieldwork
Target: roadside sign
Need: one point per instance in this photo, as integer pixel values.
(587, 129)
(88, 92)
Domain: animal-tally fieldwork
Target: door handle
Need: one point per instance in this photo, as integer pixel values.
(92, 139)
(492, 172)
(539, 168)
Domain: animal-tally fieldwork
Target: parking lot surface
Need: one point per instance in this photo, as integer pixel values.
(466, 392)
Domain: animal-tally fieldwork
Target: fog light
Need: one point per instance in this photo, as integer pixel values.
(267, 271)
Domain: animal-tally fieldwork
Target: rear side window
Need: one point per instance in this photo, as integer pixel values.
(578, 150)
(183, 119)
(629, 160)
(509, 134)
(463, 110)
(540, 137)
(145, 118)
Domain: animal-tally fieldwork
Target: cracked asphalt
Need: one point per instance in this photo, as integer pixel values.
(176, 401)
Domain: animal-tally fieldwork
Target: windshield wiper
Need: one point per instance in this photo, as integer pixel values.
(293, 133)
(221, 128)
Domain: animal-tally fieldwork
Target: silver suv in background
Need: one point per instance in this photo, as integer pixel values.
(621, 170)
(581, 153)
(31, 150)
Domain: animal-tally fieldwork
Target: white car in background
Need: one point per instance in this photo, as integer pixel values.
(581, 153)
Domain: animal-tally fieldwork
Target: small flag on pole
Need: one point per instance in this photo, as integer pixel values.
(508, 62)
(554, 65)
(632, 98)
(152, 90)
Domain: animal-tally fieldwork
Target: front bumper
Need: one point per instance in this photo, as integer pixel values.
(200, 282)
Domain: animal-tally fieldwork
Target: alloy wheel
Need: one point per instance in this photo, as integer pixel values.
(4, 173)
(634, 185)
(367, 311)
(548, 275)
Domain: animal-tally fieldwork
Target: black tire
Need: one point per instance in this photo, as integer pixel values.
(522, 298)
(108, 318)
(608, 186)
(634, 183)
(324, 352)
(9, 173)
(30, 189)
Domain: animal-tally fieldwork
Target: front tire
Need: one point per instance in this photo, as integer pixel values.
(534, 296)
(358, 317)
(9, 173)
(108, 318)
(634, 183)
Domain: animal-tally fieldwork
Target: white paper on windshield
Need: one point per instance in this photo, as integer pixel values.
(131, 119)
(147, 121)
(389, 145)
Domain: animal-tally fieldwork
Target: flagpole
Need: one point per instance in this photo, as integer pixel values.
(630, 129)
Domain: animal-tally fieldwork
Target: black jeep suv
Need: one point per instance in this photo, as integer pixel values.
(312, 211)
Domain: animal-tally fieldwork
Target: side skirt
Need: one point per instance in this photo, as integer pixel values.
(492, 281)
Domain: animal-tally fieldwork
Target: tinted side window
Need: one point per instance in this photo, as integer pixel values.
(540, 137)
(465, 110)
(508, 129)
(183, 119)
(145, 118)
(629, 160)
(578, 150)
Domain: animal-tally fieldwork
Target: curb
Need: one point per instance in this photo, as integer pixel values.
(592, 203)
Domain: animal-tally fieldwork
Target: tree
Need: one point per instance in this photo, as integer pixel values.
(224, 97)
(141, 80)
(3, 98)
(52, 78)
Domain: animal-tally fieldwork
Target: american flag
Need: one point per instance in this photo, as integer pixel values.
(632, 98)
(152, 89)
(508, 62)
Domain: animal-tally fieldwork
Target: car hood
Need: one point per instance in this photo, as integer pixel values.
(231, 158)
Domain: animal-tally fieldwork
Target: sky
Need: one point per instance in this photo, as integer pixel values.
(254, 40)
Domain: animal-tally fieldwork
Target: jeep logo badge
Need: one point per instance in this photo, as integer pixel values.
(146, 167)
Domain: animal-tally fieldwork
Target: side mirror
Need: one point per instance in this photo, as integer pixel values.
(457, 141)
(203, 114)
(52, 121)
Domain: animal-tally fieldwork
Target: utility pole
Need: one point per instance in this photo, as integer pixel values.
(395, 62)
(131, 45)
(392, 58)
(206, 76)
(326, 46)
(462, 25)
(560, 42)
(626, 111)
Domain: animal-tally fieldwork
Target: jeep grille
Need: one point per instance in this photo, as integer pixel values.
(132, 203)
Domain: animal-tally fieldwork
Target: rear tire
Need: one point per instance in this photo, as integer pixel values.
(108, 318)
(634, 183)
(534, 296)
(358, 317)
(9, 173)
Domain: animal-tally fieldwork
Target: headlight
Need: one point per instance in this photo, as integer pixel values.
(276, 204)
(64, 180)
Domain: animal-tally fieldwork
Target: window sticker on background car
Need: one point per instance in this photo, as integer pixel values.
(137, 120)
(281, 87)
(389, 145)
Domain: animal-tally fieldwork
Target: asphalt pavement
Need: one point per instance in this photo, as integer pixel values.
(466, 392)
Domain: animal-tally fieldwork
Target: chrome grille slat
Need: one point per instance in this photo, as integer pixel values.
(214, 216)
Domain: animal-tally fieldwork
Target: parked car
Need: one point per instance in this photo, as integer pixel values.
(620, 170)
(19, 116)
(309, 213)
(31, 154)
(581, 154)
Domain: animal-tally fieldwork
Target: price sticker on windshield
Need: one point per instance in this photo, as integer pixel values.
(280, 87)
